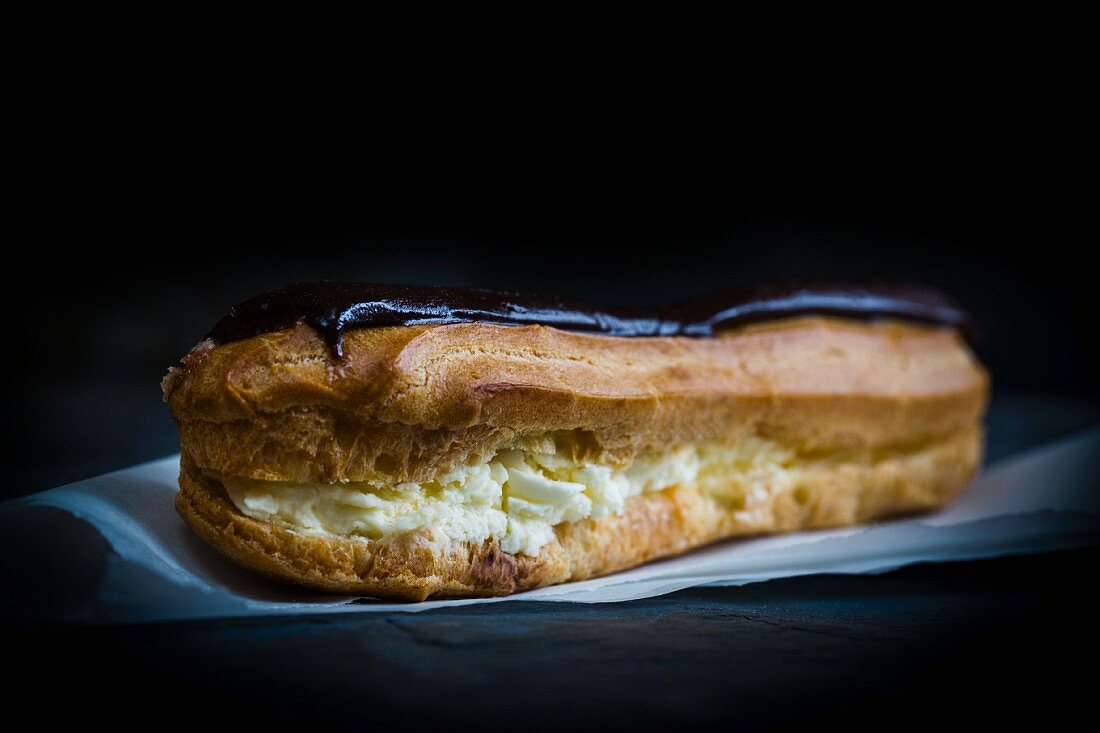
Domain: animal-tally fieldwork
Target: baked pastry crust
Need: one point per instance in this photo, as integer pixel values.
(883, 417)
(408, 403)
(415, 565)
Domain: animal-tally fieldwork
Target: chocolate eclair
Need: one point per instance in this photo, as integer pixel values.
(409, 442)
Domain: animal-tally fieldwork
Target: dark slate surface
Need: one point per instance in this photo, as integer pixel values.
(978, 643)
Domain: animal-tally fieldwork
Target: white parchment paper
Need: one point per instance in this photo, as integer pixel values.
(152, 568)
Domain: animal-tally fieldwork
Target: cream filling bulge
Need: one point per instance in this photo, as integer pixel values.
(517, 497)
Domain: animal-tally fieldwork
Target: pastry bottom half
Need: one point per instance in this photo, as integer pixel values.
(418, 564)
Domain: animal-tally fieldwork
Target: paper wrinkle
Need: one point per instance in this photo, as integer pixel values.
(1042, 500)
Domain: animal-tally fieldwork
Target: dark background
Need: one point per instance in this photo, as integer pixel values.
(156, 179)
(159, 178)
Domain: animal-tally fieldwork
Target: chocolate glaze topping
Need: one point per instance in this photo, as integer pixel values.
(333, 308)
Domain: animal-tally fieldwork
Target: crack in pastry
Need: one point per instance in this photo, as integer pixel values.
(517, 497)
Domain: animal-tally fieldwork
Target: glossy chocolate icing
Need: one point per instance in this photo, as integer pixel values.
(333, 308)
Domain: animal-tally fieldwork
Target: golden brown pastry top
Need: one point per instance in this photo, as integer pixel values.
(408, 400)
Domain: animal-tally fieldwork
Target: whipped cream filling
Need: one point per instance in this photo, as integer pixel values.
(517, 497)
